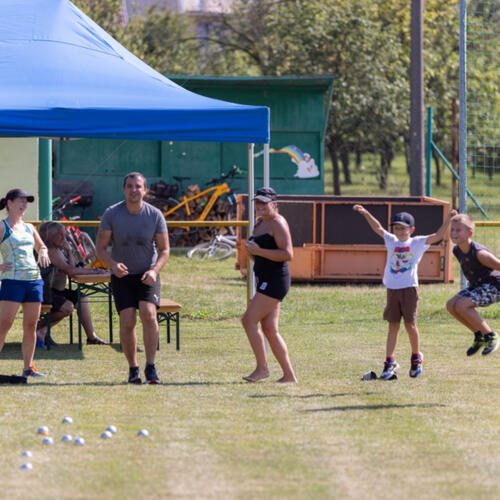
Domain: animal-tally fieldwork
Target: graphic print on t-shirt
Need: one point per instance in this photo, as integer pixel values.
(401, 259)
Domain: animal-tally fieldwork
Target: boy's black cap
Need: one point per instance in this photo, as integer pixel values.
(266, 195)
(19, 193)
(404, 219)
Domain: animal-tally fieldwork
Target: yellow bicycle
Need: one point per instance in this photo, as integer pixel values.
(218, 198)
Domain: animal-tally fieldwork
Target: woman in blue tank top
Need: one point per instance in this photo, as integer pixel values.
(271, 248)
(21, 280)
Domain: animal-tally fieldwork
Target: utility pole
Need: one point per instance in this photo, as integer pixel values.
(417, 148)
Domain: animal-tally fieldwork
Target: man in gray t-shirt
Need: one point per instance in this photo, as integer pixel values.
(138, 236)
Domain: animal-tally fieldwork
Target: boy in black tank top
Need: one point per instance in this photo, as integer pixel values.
(482, 270)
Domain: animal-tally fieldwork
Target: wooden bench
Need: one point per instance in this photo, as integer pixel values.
(169, 311)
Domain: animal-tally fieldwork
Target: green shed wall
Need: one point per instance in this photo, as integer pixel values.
(299, 111)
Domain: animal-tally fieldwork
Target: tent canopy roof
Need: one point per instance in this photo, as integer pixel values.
(61, 75)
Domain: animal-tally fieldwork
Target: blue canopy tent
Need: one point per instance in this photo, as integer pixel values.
(61, 75)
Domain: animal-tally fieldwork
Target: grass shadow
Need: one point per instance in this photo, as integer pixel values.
(12, 350)
(309, 396)
(375, 407)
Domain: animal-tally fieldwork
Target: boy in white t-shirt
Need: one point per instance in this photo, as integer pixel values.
(401, 280)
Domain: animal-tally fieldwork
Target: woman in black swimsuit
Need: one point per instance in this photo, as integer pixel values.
(270, 247)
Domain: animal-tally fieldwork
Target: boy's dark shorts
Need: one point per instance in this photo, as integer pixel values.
(401, 302)
(482, 295)
(129, 290)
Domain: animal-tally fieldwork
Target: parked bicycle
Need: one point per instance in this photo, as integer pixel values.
(81, 244)
(219, 248)
(197, 207)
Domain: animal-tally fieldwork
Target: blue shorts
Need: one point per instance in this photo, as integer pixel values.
(21, 291)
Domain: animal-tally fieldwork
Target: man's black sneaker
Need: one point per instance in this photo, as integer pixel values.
(134, 375)
(390, 371)
(477, 344)
(151, 375)
(492, 341)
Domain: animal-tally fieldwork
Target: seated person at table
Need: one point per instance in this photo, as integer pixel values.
(63, 299)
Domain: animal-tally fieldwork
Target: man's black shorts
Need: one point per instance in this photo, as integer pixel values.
(58, 297)
(129, 290)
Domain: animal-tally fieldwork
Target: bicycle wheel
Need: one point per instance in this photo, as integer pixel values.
(213, 250)
(88, 247)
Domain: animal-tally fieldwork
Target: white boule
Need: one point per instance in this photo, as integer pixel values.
(111, 428)
(143, 432)
(79, 441)
(48, 440)
(67, 420)
(67, 437)
(27, 466)
(106, 435)
(27, 453)
(43, 429)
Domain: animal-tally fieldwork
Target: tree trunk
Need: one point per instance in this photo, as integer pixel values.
(389, 155)
(407, 154)
(335, 165)
(359, 158)
(344, 158)
(382, 174)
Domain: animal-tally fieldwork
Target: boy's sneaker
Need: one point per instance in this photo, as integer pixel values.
(492, 342)
(32, 372)
(416, 363)
(134, 375)
(390, 370)
(477, 344)
(151, 375)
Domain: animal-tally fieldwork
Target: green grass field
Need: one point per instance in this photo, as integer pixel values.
(214, 436)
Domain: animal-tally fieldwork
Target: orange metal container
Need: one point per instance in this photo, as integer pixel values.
(333, 243)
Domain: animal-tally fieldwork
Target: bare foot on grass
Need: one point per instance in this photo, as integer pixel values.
(256, 375)
(287, 379)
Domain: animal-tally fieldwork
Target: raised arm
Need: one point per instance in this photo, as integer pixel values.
(488, 259)
(441, 232)
(374, 223)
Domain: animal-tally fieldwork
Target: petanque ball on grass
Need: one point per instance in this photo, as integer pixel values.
(111, 428)
(67, 420)
(143, 432)
(27, 466)
(79, 441)
(44, 430)
(27, 453)
(48, 440)
(67, 437)
(106, 435)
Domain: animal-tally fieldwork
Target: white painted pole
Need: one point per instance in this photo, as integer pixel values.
(462, 136)
(251, 215)
(266, 165)
(462, 168)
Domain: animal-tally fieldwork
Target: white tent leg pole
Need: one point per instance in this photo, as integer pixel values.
(251, 216)
(266, 165)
